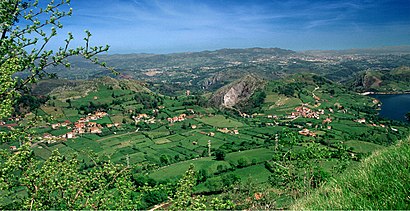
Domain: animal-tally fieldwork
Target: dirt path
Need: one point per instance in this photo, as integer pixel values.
(158, 206)
(313, 92)
(99, 140)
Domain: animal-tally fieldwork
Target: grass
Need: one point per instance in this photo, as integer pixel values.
(256, 173)
(59, 132)
(105, 120)
(84, 144)
(41, 152)
(260, 155)
(161, 141)
(381, 181)
(178, 169)
(220, 121)
(363, 147)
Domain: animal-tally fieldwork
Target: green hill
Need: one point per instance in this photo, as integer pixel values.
(381, 181)
(73, 89)
(395, 80)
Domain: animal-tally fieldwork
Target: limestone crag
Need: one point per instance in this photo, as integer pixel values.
(238, 91)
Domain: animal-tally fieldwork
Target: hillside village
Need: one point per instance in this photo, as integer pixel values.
(89, 125)
(82, 126)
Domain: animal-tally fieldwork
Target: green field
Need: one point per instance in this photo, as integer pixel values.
(177, 170)
(259, 155)
(256, 173)
(220, 121)
(363, 147)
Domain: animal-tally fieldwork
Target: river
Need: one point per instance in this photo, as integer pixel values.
(394, 106)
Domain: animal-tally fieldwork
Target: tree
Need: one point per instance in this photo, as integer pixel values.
(69, 102)
(287, 90)
(408, 116)
(220, 155)
(26, 30)
(182, 198)
(202, 175)
(230, 179)
(155, 196)
(184, 126)
(58, 184)
(242, 162)
(164, 160)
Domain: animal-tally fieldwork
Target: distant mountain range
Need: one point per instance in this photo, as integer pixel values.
(210, 70)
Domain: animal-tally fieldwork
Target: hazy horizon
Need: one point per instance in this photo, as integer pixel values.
(216, 49)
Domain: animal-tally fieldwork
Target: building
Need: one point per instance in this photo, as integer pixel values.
(65, 123)
(327, 120)
(223, 130)
(307, 132)
(363, 120)
(55, 126)
(143, 116)
(91, 124)
(69, 135)
(95, 130)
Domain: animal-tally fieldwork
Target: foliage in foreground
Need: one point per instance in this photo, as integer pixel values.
(381, 181)
(27, 28)
(57, 183)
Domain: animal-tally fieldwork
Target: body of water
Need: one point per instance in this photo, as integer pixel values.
(394, 106)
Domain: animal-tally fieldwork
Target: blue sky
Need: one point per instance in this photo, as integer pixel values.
(165, 26)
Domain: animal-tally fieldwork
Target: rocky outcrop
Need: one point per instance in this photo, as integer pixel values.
(213, 80)
(236, 92)
(366, 81)
(370, 81)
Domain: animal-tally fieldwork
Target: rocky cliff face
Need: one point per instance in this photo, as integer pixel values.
(366, 81)
(213, 80)
(238, 91)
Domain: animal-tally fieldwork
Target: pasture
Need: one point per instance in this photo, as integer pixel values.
(220, 121)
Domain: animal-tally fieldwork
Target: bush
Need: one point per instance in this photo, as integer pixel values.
(242, 162)
(220, 155)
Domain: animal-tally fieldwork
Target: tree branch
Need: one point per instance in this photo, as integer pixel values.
(3, 34)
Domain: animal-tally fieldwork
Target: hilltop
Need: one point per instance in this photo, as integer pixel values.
(64, 89)
(381, 181)
(395, 80)
(236, 92)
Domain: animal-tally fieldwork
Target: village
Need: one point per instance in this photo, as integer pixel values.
(82, 126)
(89, 125)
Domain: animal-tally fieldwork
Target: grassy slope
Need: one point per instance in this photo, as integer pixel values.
(381, 181)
